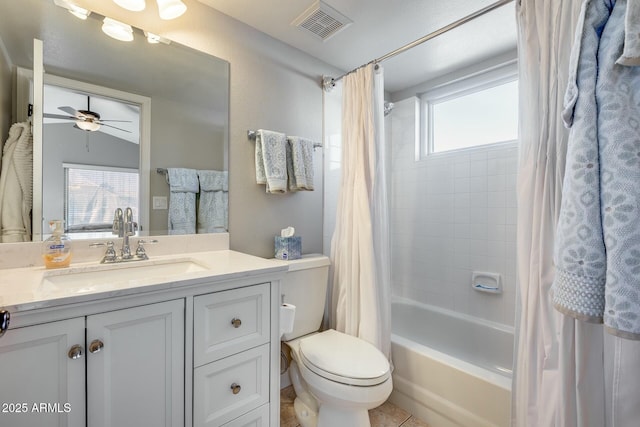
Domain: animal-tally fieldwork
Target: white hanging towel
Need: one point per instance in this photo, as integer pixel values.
(271, 163)
(300, 163)
(183, 185)
(214, 201)
(16, 185)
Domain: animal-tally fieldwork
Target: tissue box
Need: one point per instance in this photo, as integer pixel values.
(288, 247)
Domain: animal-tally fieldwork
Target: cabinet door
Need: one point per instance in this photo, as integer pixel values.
(40, 384)
(135, 366)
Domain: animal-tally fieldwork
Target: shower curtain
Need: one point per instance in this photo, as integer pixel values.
(567, 373)
(360, 244)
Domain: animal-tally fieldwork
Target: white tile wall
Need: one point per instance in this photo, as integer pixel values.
(452, 214)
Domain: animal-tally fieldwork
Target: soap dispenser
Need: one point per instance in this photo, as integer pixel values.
(56, 250)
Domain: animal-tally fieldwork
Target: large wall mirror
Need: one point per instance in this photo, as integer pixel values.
(161, 106)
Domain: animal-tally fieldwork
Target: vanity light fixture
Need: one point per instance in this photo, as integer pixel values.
(132, 5)
(171, 9)
(155, 39)
(118, 30)
(76, 11)
(79, 12)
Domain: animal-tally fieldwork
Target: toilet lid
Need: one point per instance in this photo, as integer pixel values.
(343, 358)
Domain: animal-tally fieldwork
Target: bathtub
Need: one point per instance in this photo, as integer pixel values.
(450, 369)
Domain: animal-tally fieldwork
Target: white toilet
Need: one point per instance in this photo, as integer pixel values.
(337, 377)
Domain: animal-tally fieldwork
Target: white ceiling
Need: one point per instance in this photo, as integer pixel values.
(381, 26)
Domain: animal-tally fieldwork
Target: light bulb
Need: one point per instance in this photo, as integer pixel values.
(171, 9)
(117, 30)
(132, 5)
(87, 125)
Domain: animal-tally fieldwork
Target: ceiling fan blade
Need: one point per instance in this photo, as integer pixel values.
(121, 121)
(58, 116)
(123, 130)
(69, 110)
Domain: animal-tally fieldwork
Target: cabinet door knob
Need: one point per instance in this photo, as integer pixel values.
(235, 388)
(236, 322)
(75, 352)
(95, 346)
(5, 317)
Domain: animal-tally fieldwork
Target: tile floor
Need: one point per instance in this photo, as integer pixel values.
(386, 415)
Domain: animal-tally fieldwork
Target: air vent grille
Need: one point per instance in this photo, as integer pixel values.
(322, 20)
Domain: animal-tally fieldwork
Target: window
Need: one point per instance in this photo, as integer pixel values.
(93, 193)
(473, 112)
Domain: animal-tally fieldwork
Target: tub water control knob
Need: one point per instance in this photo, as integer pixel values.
(235, 388)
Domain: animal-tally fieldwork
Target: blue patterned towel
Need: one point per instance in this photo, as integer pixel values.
(300, 163)
(597, 248)
(183, 184)
(214, 201)
(631, 52)
(271, 163)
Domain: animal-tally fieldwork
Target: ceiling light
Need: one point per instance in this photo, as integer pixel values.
(79, 12)
(132, 5)
(76, 11)
(87, 125)
(154, 38)
(117, 30)
(171, 9)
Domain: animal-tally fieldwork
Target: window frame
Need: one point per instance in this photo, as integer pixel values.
(457, 88)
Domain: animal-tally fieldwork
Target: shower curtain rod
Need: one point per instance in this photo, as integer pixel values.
(329, 82)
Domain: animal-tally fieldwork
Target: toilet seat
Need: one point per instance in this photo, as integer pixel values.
(344, 359)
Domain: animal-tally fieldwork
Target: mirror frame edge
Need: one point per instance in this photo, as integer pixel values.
(39, 79)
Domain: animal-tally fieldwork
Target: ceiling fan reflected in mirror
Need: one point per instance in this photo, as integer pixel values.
(86, 120)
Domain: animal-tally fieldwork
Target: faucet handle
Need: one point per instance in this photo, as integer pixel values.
(109, 254)
(140, 252)
(118, 223)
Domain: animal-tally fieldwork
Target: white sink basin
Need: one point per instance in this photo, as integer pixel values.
(110, 276)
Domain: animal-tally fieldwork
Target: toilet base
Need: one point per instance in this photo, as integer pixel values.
(330, 416)
(305, 415)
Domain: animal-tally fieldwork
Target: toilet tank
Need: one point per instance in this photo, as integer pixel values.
(305, 286)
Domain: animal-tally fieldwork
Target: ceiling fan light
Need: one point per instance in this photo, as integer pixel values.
(132, 5)
(89, 126)
(117, 30)
(171, 9)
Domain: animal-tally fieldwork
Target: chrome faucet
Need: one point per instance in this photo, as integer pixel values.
(124, 227)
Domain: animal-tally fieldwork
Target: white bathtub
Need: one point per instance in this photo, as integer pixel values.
(450, 369)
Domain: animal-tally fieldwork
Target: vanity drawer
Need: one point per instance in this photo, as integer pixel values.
(256, 418)
(228, 322)
(231, 387)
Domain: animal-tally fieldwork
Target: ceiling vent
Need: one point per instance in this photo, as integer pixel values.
(322, 20)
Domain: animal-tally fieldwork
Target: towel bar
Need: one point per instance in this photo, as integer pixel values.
(161, 171)
(251, 134)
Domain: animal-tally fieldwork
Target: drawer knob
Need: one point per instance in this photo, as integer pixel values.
(235, 388)
(75, 352)
(236, 322)
(95, 346)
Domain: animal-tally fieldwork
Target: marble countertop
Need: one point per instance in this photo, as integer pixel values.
(30, 288)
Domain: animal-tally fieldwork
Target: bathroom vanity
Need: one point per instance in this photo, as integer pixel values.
(178, 340)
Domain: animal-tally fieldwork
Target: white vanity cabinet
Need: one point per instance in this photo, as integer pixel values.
(231, 341)
(36, 368)
(129, 370)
